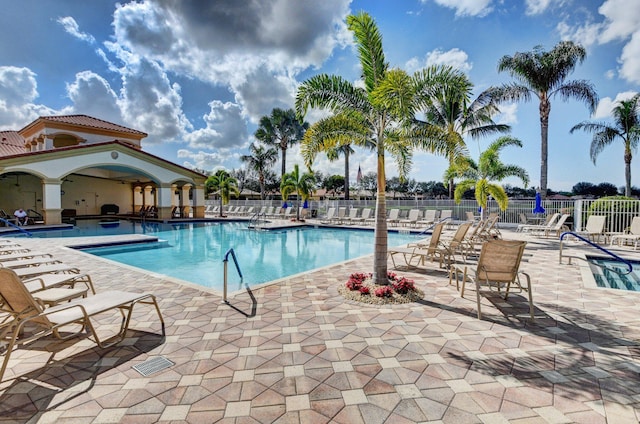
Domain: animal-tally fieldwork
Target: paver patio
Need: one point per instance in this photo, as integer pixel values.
(309, 356)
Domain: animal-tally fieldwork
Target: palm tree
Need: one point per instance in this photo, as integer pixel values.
(488, 169)
(260, 160)
(301, 184)
(281, 129)
(223, 185)
(331, 135)
(371, 114)
(626, 115)
(543, 74)
(451, 113)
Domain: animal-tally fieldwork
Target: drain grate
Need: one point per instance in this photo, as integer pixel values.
(153, 365)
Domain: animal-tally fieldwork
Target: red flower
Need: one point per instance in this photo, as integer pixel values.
(364, 290)
(403, 285)
(384, 291)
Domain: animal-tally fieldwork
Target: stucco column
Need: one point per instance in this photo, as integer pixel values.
(184, 199)
(165, 197)
(51, 201)
(198, 201)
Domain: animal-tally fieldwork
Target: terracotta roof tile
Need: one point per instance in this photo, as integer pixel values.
(88, 121)
(11, 143)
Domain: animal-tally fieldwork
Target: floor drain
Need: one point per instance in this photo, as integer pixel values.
(153, 365)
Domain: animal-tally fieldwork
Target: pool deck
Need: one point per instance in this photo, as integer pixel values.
(301, 353)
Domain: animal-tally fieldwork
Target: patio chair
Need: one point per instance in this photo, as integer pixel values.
(412, 218)
(421, 251)
(353, 215)
(34, 271)
(555, 229)
(23, 255)
(27, 312)
(331, 212)
(364, 216)
(337, 219)
(549, 222)
(394, 216)
(632, 234)
(594, 228)
(29, 262)
(430, 216)
(497, 269)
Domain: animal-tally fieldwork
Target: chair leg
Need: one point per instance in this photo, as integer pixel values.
(478, 300)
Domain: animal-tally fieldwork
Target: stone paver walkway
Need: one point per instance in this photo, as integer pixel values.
(301, 353)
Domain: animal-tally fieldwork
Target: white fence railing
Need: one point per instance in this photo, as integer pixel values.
(619, 212)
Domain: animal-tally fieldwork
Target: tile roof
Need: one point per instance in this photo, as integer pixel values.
(11, 143)
(88, 121)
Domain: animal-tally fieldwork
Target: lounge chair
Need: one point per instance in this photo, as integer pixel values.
(337, 219)
(331, 212)
(34, 271)
(364, 216)
(27, 311)
(430, 217)
(497, 269)
(594, 228)
(412, 218)
(632, 234)
(555, 229)
(394, 217)
(352, 217)
(421, 251)
(48, 281)
(23, 255)
(549, 222)
(30, 262)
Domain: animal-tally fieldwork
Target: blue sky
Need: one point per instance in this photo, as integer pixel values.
(197, 76)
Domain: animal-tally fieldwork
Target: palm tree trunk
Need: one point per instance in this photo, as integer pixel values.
(284, 160)
(346, 174)
(380, 232)
(261, 178)
(545, 109)
(627, 171)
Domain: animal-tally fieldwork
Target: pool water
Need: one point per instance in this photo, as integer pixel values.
(194, 252)
(615, 275)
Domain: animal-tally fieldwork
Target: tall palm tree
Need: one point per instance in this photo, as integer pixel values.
(260, 160)
(451, 112)
(301, 184)
(281, 129)
(626, 126)
(224, 185)
(488, 169)
(543, 74)
(372, 114)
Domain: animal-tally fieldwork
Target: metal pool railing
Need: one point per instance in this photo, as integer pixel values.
(600, 248)
(226, 261)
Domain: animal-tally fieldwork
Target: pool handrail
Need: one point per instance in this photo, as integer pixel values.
(235, 261)
(431, 227)
(255, 219)
(17, 227)
(597, 246)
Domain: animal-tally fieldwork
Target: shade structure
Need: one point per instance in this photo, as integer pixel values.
(538, 208)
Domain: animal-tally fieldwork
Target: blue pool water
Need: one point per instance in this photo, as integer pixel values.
(194, 252)
(615, 275)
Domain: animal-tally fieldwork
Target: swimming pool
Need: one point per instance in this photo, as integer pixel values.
(615, 275)
(193, 252)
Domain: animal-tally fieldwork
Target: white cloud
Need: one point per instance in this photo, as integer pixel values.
(18, 91)
(467, 7)
(455, 57)
(606, 104)
(508, 114)
(621, 22)
(537, 7)
(207, 160)
(151, 103)
(71, 26)
(225, 128)
(92, 95)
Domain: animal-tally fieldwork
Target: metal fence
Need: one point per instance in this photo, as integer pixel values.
(619, 212)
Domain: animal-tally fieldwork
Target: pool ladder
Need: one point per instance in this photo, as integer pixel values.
(600, 248)
(226, 261)
(255, 219)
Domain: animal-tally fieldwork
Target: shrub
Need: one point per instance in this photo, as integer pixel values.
(364, 290)
(384, 291)
(403, 285)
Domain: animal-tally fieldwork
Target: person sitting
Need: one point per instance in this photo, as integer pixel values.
(21, 216)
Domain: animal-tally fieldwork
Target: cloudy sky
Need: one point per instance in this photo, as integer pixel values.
(198, 75)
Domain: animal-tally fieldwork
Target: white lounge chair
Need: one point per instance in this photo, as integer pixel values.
(632, 234)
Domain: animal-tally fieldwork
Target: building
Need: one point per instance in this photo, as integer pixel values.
(85, 166)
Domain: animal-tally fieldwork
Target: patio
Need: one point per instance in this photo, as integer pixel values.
(307, 355)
